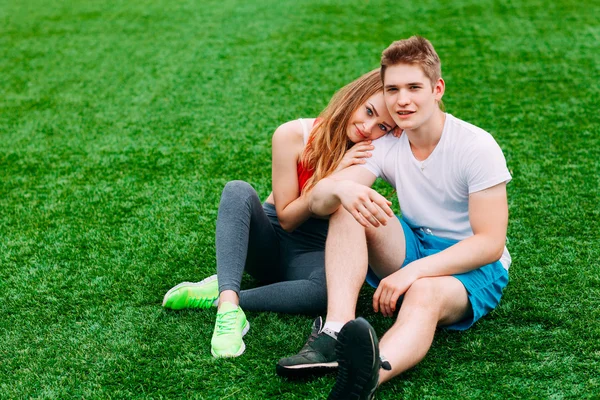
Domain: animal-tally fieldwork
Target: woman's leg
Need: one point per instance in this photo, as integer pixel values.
(245, 238)
(301, 270)
(301, 296)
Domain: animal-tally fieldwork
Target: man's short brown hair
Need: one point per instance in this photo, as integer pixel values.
(415, 50)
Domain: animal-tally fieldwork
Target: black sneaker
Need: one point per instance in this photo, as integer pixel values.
(358, 354)
(317, 357)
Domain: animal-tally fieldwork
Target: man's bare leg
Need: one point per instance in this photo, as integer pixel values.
(387, 248)
(346, 263)
(345, 268)
(428, 303)
(348, 251)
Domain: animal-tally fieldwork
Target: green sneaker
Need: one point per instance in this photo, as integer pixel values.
(230, 327)
(193, 294)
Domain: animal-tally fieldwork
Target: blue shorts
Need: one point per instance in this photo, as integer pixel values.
(484, 285)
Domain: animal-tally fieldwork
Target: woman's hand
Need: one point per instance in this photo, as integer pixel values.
(357, 154)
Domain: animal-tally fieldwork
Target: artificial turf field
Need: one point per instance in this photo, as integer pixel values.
(121, 121)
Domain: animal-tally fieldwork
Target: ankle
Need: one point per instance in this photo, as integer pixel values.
(337, 318)
(229, 296)
(333, 326)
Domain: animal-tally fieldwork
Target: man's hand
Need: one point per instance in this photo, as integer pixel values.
(391, 288)
(367, 206)
(357, 154)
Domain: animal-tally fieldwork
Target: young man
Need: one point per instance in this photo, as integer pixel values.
(445, 260)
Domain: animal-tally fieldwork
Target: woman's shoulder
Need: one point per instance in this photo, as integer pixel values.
(293, 132)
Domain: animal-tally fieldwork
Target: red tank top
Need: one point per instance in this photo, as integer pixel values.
(304, 174)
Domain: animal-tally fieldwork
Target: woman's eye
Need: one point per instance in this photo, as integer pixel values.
(369, 112)
(383, 127)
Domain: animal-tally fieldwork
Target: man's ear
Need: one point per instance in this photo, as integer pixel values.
(439, 88)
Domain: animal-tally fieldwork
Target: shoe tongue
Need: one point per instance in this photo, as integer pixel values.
(227, 306)
(317, 324)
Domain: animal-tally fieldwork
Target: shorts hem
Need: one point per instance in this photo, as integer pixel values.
(484, 288)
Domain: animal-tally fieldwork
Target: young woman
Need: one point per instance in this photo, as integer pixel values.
(279, 243)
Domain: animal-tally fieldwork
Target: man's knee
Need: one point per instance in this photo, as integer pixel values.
(443, 297)
(423, 293)
(341, 217)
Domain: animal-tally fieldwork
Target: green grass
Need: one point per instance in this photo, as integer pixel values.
(121, 121)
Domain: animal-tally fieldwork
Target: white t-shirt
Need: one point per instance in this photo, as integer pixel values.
(434, 193)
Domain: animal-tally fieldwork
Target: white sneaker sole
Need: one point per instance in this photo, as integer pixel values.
(333, 364)
(202, 282)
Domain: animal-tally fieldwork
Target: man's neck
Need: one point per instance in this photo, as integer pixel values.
(424, 139)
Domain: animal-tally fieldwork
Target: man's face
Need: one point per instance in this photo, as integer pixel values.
(409, 95)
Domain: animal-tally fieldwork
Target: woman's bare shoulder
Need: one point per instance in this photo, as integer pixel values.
(292, 132)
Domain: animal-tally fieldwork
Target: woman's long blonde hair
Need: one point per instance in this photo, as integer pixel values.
(328, 140)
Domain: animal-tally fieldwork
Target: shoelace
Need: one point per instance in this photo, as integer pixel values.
(311, 338)
(226, 322)
(201, 302)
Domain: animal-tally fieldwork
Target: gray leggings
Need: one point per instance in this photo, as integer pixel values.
(289, 266)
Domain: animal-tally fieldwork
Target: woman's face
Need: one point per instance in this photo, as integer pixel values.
(371, 120)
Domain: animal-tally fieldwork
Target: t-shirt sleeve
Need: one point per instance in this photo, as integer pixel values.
(375, 163)
(487, 165)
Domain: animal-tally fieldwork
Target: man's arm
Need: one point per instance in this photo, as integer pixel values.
(350, 188)
(488, 215)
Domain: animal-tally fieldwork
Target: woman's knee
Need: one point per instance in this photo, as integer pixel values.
(238, 192)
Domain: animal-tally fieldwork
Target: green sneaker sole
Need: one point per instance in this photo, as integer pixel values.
(242, 348)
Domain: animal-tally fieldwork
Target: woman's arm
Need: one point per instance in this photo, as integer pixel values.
(288, 143)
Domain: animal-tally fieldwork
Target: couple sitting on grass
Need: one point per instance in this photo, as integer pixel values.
(442, 264)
